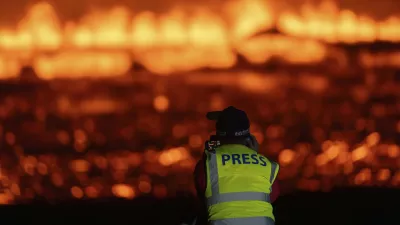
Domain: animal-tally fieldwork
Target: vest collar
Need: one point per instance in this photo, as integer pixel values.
(240, 146)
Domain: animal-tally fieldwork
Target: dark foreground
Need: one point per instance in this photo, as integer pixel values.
(341, 207)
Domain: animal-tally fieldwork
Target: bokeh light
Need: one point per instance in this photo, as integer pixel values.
(85, 114)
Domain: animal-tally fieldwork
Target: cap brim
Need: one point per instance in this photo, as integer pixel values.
(214, 115)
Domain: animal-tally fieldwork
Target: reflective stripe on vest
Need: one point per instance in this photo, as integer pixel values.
(273, 171)
(244, 221)
(237, 196)
(216, 197)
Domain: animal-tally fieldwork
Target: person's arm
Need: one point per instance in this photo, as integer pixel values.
(275, 191)
(200, 181)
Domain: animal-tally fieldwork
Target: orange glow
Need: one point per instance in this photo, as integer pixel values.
(42, 169)
(309, 184)
(57, 179)
(360, 153)
(393, 151)
(10, 138)
(373, 139)
(91, 192)
(332, 152)
(77, 192)
(326, 145)
(398, 126)
(348, 168)
(101, 162)
(363, 176)
(160, 191)
(63, 137)
(343, 157)
(144, 186)
(179, 131)
(124, 136)
(383, 175)
(80, 136)
(80, 165)
(161, 103)
(321, 160)
(259, 137)
(123, 191)
(104, 43)
(195, 141)
(286, 157)
(396, 179)
(4, 199)
(15, 189)
(173, 156)
(135, 159)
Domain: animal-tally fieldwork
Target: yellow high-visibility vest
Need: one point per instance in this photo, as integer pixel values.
(239, 182)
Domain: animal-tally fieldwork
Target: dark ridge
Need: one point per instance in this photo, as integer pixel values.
(137, 67)
(272, 30)
(374, 47)
(28, 74)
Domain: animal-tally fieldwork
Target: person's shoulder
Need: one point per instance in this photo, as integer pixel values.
(270, 160)
(273, 161)
(275, 165)
(201, 161)
(199, 167)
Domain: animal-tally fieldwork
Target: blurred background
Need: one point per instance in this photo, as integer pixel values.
(102, 105)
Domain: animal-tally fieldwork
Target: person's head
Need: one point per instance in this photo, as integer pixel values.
(232, 125)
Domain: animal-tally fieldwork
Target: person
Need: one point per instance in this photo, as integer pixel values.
(235, 184)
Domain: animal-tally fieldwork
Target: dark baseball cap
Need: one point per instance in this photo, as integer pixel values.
(231, 122)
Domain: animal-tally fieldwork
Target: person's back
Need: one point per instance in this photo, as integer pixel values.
(238, 180)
